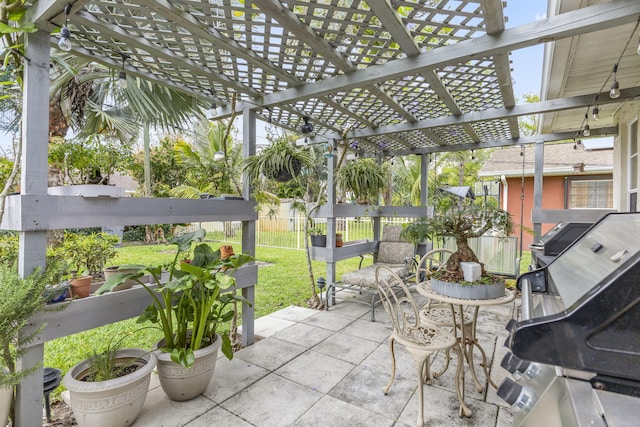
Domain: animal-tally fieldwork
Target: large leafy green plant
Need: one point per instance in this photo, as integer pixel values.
(365, 178)
(192, 303)
(281, 161)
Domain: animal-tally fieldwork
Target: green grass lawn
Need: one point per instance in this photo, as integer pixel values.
(283, 280)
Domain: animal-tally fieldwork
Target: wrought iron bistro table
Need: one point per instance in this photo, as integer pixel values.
(468, 339)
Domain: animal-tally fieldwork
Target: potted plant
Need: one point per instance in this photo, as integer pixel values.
(109, 387)
(462, 224)
(318, 237)
(280, 161)
(87, 254)
(364, 178)
(189, 306)
(21, 299)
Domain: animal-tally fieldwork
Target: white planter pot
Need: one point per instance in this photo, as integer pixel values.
(6, 395)
(111, 403)
(181, 383)
(87, 190)
(457, 290)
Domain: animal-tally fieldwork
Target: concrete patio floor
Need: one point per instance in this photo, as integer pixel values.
(328, 368)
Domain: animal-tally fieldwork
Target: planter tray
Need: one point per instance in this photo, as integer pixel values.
(457, 290)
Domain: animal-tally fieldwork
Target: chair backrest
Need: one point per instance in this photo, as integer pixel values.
(397, 302)
(392, 249)
(434, 260)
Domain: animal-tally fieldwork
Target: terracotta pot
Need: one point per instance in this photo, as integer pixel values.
(81, 287)
(113, 270)
(226, 251)
(339, 241)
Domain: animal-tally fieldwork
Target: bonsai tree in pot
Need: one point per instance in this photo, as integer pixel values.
(365, 178)
(189, 306)
(115, 381)
(461, 224)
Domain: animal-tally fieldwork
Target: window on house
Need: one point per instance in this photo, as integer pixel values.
(591, 194)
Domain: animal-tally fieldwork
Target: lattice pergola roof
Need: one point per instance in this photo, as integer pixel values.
(399, 76)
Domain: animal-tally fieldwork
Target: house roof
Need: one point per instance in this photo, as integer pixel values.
(390, 77)
(559, 159)
(583, 64)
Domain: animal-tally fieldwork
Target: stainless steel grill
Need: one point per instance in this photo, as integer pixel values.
(575, 353)
(552, 243)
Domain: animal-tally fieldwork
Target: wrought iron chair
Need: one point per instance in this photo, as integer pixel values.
(396, 254)
(438, 314)
(420, 340)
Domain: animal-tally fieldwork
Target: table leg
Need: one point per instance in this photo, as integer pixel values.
(468, 342)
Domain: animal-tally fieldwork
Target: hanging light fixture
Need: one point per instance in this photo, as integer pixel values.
(213, 108)
(596, 113)
(306, 127)
(122, 75)
(615, 86)
(65, 34)
(587, 130)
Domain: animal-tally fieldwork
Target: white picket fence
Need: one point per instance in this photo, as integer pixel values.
(498, 253)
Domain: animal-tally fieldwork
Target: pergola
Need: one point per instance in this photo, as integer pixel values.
(390, 77)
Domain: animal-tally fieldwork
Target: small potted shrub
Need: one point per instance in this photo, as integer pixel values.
(109, 387)
(318, 237)
(189, 307)
(21, 299)
(86, 255)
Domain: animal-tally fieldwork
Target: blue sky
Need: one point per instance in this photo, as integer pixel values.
(527, 63)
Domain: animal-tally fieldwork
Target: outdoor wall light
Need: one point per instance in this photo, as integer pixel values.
(65, 34)
(306, 127)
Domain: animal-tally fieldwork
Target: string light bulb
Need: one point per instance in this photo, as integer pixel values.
(615, 86)
(587, 129)
(122, 75)
(596, 113)
(638, 51)
(65, 34)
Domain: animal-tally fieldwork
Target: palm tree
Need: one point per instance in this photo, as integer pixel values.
(212, 161)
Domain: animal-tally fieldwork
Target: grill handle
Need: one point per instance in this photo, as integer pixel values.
(526, 307)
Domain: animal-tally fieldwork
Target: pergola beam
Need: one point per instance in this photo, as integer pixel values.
(494, 22)
(570, 103)
(86, 19)
(523, 140)
(588, 19)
